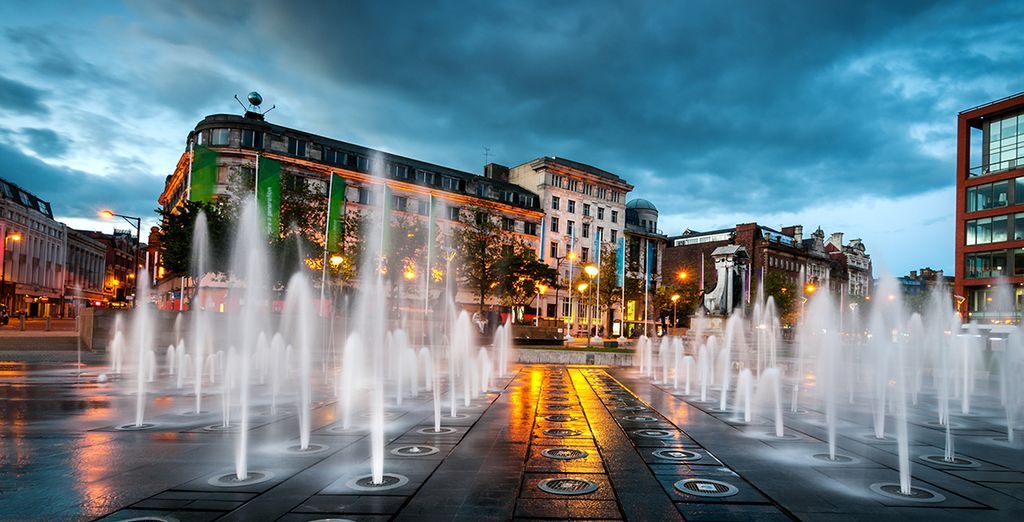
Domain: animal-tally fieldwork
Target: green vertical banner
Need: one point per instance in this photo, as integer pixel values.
(385, 222)
(204, 174)
(336, 214)
(268, 196)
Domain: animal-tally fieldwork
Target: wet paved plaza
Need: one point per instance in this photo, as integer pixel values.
(550, 442)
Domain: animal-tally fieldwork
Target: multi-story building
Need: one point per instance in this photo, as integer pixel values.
(990, 209)
(119, 260)
(843, 269)
(643, 239)
(922, 281)
(236, 144)
(585, 211)
(86, 271)
(33, 253)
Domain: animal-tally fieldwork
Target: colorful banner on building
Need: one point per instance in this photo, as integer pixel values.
(203, 182)
(268, 196)
(647, 272)
(336, 214)
(597, 249)
(620, 268)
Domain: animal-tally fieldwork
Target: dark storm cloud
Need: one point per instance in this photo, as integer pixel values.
(795, 100)
(21, 98)
(45, 142)
(75, 193)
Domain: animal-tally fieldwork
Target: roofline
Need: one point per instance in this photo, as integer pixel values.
(994, 102)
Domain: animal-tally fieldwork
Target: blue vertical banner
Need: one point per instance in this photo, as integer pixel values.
(647, 262)
(620, 269)
(597, 249)
(543, 235)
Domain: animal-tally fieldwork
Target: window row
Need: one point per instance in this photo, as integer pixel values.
(587, 189)
(995, 229)
(1005, 144)
(366, 196)
(556, 204)
(994, 264)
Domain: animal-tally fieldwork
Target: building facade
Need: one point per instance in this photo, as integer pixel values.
(33, 253)
(990, 210)
(119, 265)
(238, 143)
(585, 213)
(844, 269)
(643, 240)
(86, 272)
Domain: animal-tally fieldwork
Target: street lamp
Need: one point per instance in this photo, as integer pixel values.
(540, 288)
(582, 287)
(336, 260)
(675, 300)
(682, 275)
(16, 237)
(137, 223)
(591, 271)
(571, 256)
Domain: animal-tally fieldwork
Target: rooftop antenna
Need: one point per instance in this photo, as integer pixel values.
(487, 155)
(253, 109)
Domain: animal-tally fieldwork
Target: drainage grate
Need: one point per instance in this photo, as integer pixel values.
(420, 450)
(558, 398)
(676, 455)
(389, 481)
(632, 408)
(706, 487)
(959, 462)
(561, 432)
(917, 494)
(655, 434)
(564, 453)
(567, 486)
(559, 407)
(560, 417)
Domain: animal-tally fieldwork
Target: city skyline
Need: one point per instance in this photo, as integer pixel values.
(854, 133)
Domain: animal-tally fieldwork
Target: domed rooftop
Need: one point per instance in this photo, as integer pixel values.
(641, 204)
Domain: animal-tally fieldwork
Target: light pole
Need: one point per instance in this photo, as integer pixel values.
(675, 301)
(137, 223)
(3, 272)
(592, 271)
(582, 287)
(571, 256)
(540, 288)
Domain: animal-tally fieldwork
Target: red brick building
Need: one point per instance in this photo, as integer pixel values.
(990, 209)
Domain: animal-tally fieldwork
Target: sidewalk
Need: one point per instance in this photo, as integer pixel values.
(61, 337)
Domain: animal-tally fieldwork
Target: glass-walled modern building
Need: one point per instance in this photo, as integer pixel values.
(990, 211)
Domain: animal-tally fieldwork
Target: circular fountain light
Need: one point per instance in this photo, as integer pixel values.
(191, 413)
(456, 416)
(676, 455)
(561, 432)
(134, 427)
(952, 424)
(656, 434)
(957, 462)
(432, 431)
(917, 494)
(559, 407)
(416, 450)
(558, 398)
(560, 417)
(632, 408)
(221, 427)
(150, 519)
(640, 418)
(349, 430)
(564, 453)
(387, 415)
(277, 411)
(567, 486)
(389, 481)
(870, 437)
(310, 449)
(333, 520)
(825, 458)
(703, 487)
(231, 480)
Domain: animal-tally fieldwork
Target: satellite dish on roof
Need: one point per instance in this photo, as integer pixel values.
(255, 99)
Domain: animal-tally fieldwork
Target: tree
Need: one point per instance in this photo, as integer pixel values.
(177, 230)
(480, 244)
(784, 292)
(519, 273)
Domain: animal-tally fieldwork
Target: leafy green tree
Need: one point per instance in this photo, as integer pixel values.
(177, 229)
(519, 273)
(480, 245)
(785, 292)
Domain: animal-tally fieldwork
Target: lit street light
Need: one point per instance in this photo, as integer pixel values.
(675, 301)
(137, 223)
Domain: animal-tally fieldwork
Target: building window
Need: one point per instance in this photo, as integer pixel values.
(1018, 261)
(556, 181)
(586, 209)
(296, 147)
(252, 139)
(615, 234)
(362, 164)
(615, 216)
(570, 228)
(219, 137)
(572, 207)
(600, 212)
(364, 195)
(600, 233)
(508, 224)
(530, 229)
(508, 196)
(554, 249)
(527, 200)
(586, 230)
(400, 203)
(554, 224)
(424, 207)
(990, 195)
(588, 189)
(1004, 150)
(584, 254)
(991, 264)
(453, 184)
(454, 213)
(555, 200)
(398, 171)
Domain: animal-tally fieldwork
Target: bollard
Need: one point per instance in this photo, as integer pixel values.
(21, 319)
(47, 323)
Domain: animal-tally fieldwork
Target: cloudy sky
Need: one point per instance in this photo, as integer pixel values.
(838, 114)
